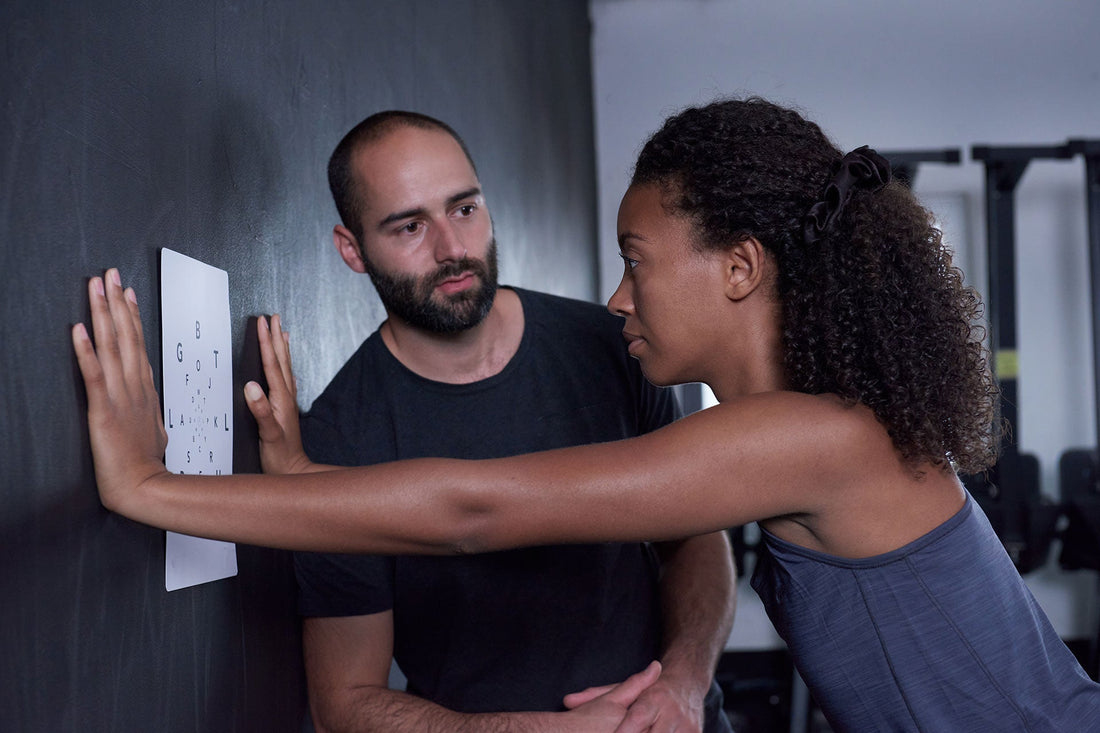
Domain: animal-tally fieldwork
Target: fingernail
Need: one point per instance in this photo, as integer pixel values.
(131, 295)
(115, 277)
(252, 391)
(97, 286)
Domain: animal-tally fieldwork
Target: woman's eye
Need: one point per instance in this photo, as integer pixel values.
(630, 264)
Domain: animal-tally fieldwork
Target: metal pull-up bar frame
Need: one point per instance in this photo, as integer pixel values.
(1010, 494)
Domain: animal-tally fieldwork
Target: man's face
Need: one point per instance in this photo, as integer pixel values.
(423, 301)
(427, 240)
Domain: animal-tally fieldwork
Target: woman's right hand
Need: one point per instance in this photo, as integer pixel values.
(276, 413)
(124, 416)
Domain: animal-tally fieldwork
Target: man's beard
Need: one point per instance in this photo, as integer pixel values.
(412, 299)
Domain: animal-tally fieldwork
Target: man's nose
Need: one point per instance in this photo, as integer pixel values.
(448, 245)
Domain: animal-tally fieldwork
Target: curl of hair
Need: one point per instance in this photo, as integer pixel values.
(874, 311)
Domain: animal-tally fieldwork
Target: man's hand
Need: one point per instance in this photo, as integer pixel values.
(276, 413)
(662, 707)
(124, 416)
(605, 707)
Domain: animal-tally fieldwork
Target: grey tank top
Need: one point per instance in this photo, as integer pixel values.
(939, 635)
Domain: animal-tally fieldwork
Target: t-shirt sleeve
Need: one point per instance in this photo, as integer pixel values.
(343, 585)
(321, 439)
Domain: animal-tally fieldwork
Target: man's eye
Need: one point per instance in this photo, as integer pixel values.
(411, 228)
(466, 209)
(630, 264)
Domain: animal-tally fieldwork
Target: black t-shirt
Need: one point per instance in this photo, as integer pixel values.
(513, 630)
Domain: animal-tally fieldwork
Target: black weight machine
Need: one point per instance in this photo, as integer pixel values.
(1079, 469)
(905, 163)
(1024, 519)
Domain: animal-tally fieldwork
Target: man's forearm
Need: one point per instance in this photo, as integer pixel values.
(381, 710)
(698, 597)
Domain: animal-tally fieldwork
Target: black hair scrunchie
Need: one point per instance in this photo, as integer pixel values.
(861, 168)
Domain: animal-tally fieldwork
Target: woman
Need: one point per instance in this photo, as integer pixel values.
(816, 299)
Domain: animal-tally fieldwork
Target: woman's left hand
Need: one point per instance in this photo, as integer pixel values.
(276, 413)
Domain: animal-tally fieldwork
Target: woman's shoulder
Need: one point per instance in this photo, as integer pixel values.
(834, 465)
(819, 420)
(775, 453)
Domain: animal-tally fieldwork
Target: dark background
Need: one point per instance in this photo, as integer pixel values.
(205, 127)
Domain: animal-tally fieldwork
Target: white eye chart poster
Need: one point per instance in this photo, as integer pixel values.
(197, 366)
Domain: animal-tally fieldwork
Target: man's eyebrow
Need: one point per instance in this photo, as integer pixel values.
(468, 193)
(399, 215)
(420, 210)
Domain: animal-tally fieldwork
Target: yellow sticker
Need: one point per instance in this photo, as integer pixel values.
(1007, 364)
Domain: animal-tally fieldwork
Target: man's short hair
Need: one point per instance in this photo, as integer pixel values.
(345, 189)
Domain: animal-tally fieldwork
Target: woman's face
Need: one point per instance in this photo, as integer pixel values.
(671, 293)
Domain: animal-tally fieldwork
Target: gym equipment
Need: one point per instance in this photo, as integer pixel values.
(904, 163)
(1078, 468)
(1009, 492)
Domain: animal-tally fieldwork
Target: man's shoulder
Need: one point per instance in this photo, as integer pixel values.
(348, 423)
(566, 312)
(354, 375)
(559, 302)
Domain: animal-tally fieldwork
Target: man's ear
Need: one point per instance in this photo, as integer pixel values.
(348, 247)
(744, 262)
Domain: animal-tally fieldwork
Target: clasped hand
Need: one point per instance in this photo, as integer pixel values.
(656, 705)
(624, 706)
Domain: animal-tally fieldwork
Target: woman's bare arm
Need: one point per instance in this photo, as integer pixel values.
(737, 462)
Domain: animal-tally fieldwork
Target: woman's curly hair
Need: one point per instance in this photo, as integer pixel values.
(874, 311)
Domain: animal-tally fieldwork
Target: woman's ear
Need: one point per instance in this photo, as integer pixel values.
(744, 262)
(348, 247)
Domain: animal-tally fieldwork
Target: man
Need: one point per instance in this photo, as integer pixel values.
(460, 368)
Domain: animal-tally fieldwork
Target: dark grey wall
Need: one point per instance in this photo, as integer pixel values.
(205, 126)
